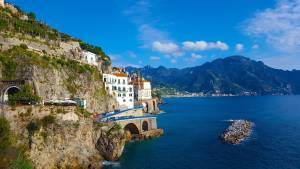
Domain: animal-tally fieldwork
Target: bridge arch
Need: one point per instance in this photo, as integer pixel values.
(10, 90)
(145, 126)
(132, 128)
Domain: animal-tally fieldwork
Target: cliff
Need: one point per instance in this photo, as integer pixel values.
(60, 137)
(56, 77)
(52, 66)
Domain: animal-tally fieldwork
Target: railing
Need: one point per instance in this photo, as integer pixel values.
(12, 82)
(114, 119)
(109, 114)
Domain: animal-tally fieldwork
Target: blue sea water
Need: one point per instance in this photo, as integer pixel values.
(192, 127)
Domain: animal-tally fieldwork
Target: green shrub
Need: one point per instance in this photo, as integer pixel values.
(114, 128)
(21, 163)
(47, 120)
(80, 111)
(28, 112)
(24, 46)
(31, 16)
(9, 67)
(96, 50)
(60, 111)
(5, 134)
(25, 94)
(32, 127)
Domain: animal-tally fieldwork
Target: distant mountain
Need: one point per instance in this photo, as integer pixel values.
(232, 75)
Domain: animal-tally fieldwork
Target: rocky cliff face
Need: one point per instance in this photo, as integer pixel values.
(57, 78)
(111, 143)
(60, 84)
(66, 140)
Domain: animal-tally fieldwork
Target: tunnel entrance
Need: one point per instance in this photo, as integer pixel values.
(9, 92)
(145, 126)
(132, 128)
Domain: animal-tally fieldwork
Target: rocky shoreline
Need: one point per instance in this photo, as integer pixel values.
(238, 131)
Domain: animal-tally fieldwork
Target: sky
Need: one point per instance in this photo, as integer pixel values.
(176, 33)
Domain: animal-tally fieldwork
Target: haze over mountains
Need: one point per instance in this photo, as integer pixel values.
(236, 75)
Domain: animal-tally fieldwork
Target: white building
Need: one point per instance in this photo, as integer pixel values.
(118, 85)
(142, 89)
(2, 3)
(90, 58)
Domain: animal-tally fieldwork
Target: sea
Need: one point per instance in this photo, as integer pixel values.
(192, 127)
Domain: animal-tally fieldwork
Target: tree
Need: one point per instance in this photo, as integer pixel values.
(31, 16)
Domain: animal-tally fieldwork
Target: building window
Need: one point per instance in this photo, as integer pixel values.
(105, 79)
(124, 89)
(123, 81)
(118, 81)
(130, 100)
(124, 100)
(119, 95)
(130, 89)
(119, 88)
(130, 95)
(124, 95)
(114, 88)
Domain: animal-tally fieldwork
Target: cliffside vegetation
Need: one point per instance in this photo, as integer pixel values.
(21, 58)
(11, 156)
(16, 23)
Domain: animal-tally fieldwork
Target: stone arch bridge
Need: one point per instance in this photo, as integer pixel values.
(139, 125)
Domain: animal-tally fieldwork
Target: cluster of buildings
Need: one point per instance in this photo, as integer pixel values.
(127, 89)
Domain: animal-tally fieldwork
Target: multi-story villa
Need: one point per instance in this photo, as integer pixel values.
(90, 58)
(118, 85)
(142, 88)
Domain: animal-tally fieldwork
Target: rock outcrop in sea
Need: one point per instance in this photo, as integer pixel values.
(238, 131)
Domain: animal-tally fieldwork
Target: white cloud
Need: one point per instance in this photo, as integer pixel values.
(279, 26)
(154, 58)
(203, 45)
(167, 48)
(239, 47)
(255, 46)
(194, 57)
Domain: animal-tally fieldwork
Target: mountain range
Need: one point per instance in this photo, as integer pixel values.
(237, 75)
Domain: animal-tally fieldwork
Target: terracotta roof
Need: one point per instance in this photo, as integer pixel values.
(120, 74)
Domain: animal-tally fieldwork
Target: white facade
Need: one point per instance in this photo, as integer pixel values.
(118, 85)
(2, 3)
(90, 58)
(143, 92)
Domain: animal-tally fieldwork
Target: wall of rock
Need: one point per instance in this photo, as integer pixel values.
(66, 142)
(57, 78)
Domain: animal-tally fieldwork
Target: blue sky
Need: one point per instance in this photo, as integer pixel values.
(176, 33)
